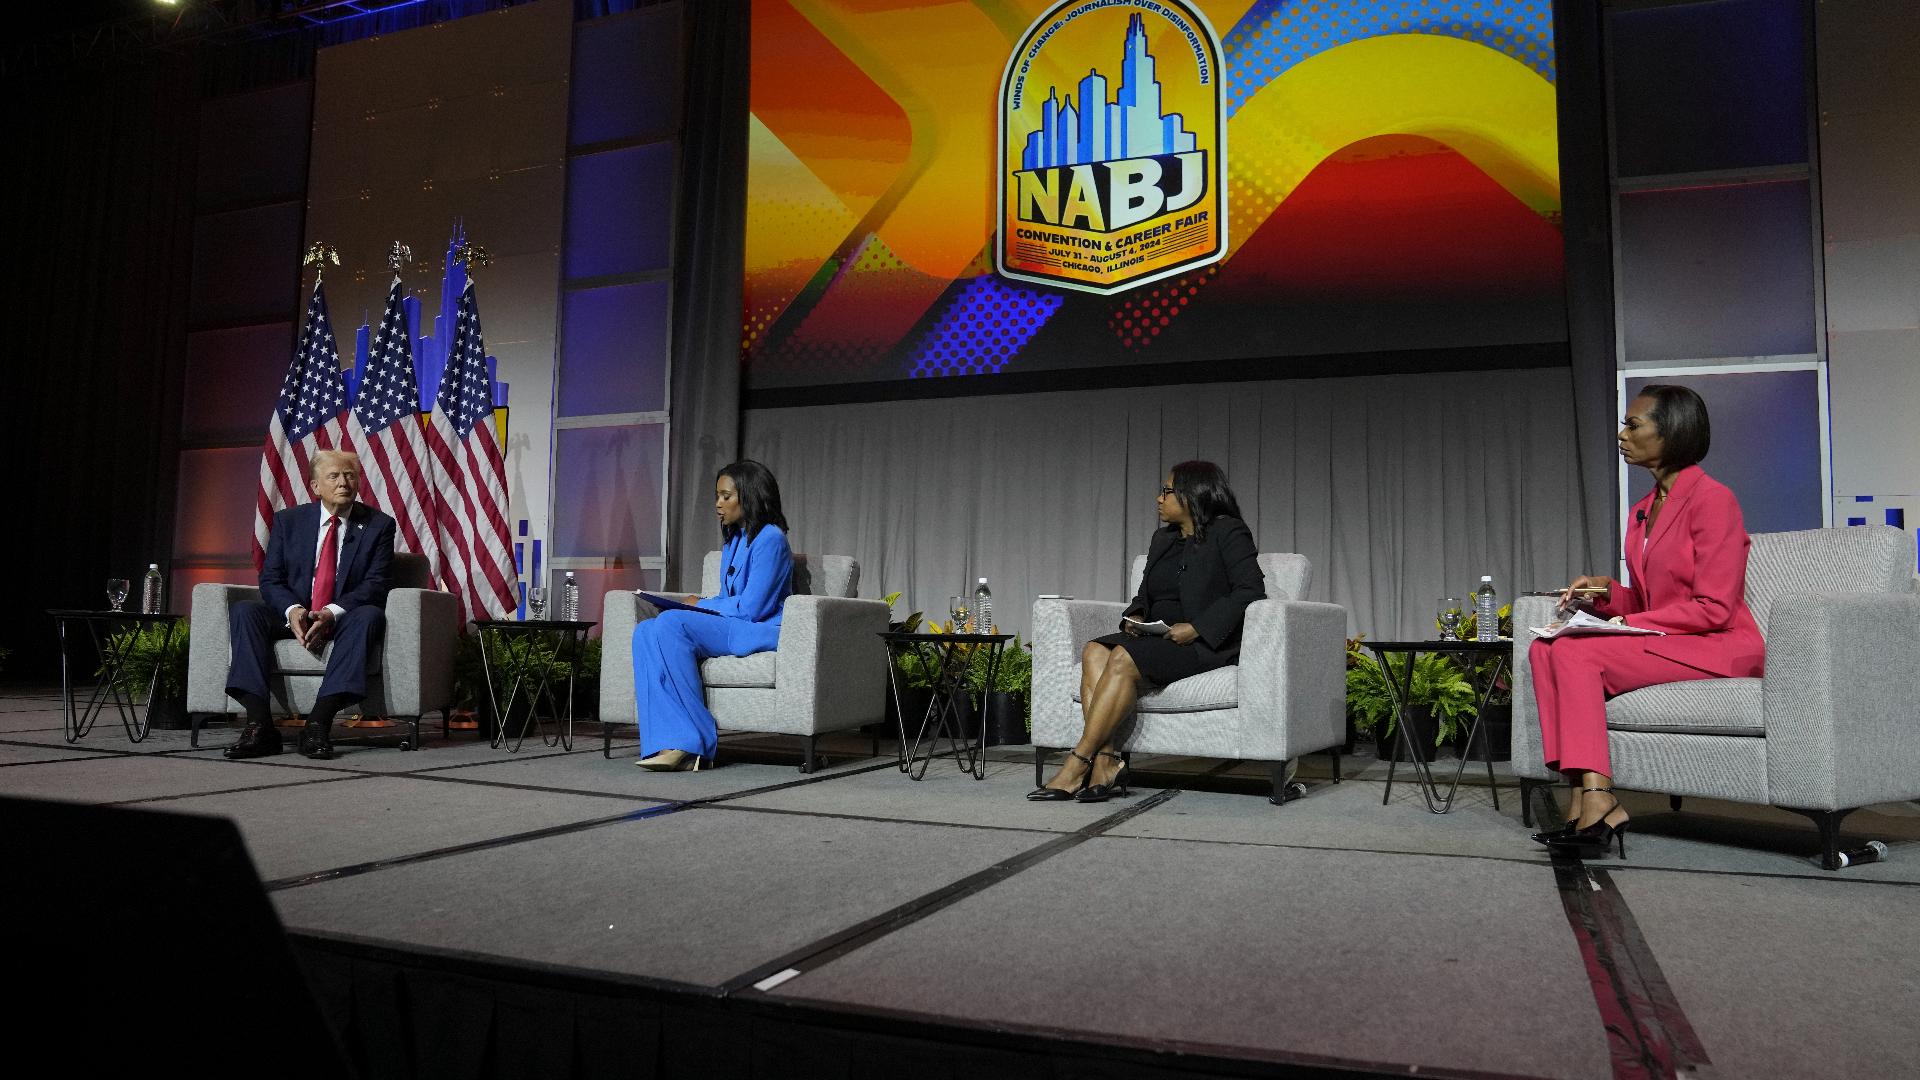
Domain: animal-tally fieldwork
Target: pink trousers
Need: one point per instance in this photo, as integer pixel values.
(1572, 680)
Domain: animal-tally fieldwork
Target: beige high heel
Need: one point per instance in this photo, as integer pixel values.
(672, 761)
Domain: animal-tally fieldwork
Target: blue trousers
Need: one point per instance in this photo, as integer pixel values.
(253, 627)
(667, 651)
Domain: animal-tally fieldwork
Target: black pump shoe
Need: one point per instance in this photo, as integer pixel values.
(1548, 836)
(1054, 794)
(314, 741)
(1103, 792)
(1595, 839)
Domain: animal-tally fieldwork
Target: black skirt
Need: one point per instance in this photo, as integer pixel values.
(1161, 661)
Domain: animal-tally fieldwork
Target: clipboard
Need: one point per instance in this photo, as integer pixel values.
(668, 603)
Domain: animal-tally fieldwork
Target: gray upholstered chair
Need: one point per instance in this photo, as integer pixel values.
(412, 675)
(1832, 726)
(829, 672)
(1286, 697)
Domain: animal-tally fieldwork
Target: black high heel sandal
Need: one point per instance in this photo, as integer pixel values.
(1595, 839)
(1103, 792)
(1547, 836)
(1054, 794)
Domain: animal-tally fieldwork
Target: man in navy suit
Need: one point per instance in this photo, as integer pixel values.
(325, 579)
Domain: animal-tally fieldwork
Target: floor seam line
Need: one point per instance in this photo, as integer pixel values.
(658, 809)
(828, 948)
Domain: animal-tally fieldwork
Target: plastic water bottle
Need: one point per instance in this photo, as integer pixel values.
(1874, 851)
(982, 609)
(570, 599)
(1486, 611)
(152, 591)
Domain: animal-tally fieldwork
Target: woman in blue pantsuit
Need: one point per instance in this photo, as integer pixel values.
(676, 730)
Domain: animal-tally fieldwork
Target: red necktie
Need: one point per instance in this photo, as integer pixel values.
(323, 572)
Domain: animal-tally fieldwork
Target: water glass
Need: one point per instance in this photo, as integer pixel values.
(117, 591)
(1452, 614)
(537, 603)
(961, 608)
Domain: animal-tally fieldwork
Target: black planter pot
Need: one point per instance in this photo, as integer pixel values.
(913, 701)
(1496, 734)
(1006, 719)
(1420, 725)
(168, 713)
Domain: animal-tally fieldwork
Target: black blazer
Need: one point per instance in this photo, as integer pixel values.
(366, 555)
(1222, 578)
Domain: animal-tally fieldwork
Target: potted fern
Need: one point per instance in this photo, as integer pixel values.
(1439, 703)
(1007, 703)
(158, 663)
(1496, 722)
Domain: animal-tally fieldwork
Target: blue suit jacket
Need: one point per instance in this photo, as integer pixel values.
(756, 577)
(366, 556)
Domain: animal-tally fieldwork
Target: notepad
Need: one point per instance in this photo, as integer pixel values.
(1580, 623)
(1156, 628)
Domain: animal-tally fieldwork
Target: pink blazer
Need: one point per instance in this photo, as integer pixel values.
(1691, 579)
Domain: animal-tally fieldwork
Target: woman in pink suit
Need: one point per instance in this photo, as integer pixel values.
(1686, 553)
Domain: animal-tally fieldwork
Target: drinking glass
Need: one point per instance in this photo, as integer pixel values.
(117, 591)
(961, 608)
(1452, 614)
(537, 603)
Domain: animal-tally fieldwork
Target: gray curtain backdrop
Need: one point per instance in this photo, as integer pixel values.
(710, 237)
(1384, 483)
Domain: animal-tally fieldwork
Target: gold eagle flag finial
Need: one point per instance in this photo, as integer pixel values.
(318, 255)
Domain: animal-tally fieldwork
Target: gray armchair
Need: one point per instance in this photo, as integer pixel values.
(1829, 728)
(412, 675)
(1286, 697)
(829, 672)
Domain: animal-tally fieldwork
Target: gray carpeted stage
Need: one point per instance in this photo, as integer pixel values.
(1192, 925)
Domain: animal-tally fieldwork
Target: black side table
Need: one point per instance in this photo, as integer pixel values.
(568, 642)
(100, 627)
(948, 657)
(1402, 689)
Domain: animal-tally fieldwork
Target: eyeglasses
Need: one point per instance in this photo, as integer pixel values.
(1166, 491)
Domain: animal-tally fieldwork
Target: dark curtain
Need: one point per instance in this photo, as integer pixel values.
(708, 263)
(96, 291)
(1588, 223)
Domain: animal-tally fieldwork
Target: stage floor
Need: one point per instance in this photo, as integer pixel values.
(1192, 920)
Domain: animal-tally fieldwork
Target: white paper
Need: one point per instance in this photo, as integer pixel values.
(1581, 622)
(1156, 628)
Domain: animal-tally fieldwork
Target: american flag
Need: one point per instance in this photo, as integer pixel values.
(309, 416)
(470, 477)
(395, 472)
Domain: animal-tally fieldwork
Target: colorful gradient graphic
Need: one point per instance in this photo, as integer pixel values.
(1392, 184)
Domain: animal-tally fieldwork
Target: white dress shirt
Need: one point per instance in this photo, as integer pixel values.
(339, 555)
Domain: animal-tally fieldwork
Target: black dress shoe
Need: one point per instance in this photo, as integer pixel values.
(314, 741)
(256, 740)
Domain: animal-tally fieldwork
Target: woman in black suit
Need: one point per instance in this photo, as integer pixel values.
(1202, 572)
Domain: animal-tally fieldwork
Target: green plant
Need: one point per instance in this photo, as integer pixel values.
(1437, 684)
(523, 656)
(1482, 669)
(148, 650)
(905, 626)
(1013, 676)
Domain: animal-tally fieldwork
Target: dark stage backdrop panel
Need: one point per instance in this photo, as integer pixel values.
(1392, 184)
(1379, 481)
(1767, 444)
(464, 123)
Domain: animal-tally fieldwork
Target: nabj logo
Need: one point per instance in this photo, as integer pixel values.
(1116, 177)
